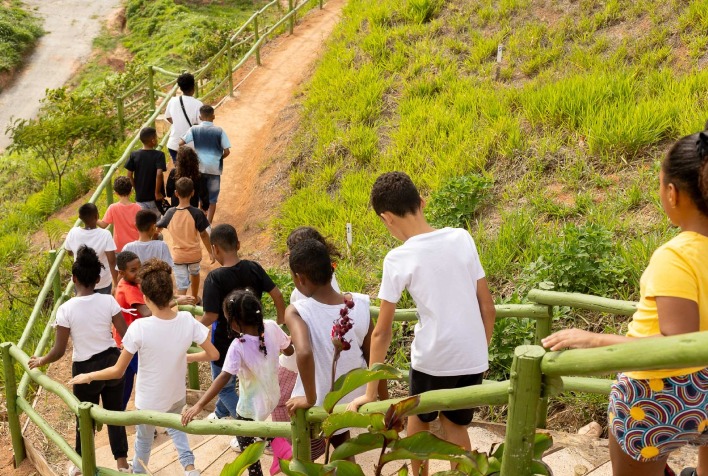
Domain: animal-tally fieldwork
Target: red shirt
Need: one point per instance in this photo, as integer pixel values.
(123, 219)
(128, 296)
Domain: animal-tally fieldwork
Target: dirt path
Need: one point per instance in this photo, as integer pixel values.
(71, 26)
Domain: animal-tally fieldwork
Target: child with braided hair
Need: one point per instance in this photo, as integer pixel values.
(253, 357)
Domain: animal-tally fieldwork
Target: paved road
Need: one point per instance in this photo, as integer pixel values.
(71, 26)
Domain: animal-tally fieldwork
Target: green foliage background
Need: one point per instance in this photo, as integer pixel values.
(19, 31)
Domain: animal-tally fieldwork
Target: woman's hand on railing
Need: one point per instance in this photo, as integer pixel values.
(189, 413)
(185, 300)
(571, 339)
(297, 403)
(80, 379)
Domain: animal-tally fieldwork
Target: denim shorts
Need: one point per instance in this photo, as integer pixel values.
(183, 272)
(651, 418)
(213, 185)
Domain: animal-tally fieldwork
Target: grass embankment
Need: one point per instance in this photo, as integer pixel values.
(551, 163)
(173, 35)
(19, 31)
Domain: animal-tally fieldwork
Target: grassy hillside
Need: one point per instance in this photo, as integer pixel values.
(19, 30)
(549, 158)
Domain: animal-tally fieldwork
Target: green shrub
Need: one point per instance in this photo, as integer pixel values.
(455, 203)
(19, 31)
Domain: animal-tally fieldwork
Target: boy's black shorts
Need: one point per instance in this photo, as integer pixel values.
(421, 382)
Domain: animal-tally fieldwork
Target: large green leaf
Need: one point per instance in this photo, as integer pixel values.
(424, 446)
(299, 468)
(403, 471)
(541, 443)
(360, 444)
(397, 413)
(249, 456)
(539, 468)
(346, 468)
(349, 382)
(454, 472)
(337, 421)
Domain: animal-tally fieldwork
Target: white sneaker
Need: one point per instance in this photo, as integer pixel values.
(212, 416)
(74, 470)
(234, 445)
(194, 472)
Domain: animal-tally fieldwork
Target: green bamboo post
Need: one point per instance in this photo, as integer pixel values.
(193, 375)
(291, 21)
(301, 436)
(543, 330)
(151, 89)
(121, 114)
(109, 185)
(256, 38)
(524, 394)
(56, 280)
(13, 418)
(321, 4)
(230, 72)
(86, 428)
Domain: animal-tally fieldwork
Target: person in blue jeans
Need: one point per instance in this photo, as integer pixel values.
(212, 148)
(234, 273)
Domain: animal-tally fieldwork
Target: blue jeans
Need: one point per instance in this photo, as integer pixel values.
(213, 184)
(129, 378)
(145, 435)
(228, 398)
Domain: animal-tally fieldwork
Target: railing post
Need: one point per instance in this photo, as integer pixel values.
(13, 418)
(256, 38)
(151, 88)
(229, 60)
(56, 280)
(121, 115)
(301, 436)
(193, 375)
(292, 17)
(86, 429)
(524, 394)
(109, 185)
(321, 4)
(543, 330)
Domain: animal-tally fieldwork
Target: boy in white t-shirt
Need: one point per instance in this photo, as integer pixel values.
(442, 272)
(99, 240)
(182, 112)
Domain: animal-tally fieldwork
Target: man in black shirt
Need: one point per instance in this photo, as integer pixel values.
(234, 273)
(145, 168)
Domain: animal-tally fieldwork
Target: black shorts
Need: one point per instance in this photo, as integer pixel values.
(421, 382)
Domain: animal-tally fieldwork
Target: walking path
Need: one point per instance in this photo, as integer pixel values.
(71, 26)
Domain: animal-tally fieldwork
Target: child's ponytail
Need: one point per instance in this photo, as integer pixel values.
(244, 308)
(702, 149)
(686, 166)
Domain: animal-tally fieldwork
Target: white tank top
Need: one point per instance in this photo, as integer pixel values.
(320, 319)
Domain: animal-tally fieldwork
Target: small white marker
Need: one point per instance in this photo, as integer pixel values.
(500, 49)
(349, 235)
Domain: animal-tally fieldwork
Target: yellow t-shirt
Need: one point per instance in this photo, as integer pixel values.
(679, 268)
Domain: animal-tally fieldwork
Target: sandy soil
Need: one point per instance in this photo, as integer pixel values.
(71, 26)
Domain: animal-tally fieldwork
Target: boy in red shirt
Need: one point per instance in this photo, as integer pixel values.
(122, 215)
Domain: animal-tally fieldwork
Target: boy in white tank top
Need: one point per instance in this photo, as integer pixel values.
(310, 323)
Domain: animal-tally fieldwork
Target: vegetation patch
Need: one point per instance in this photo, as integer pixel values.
(19, 31)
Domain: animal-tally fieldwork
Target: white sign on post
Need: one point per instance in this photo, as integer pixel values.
(349, 235)
(500, 49)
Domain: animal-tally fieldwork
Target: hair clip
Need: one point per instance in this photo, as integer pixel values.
(258, 311)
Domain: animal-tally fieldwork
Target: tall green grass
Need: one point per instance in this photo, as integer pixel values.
(19, 31)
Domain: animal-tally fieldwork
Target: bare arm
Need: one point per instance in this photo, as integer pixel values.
(169, 119)
(207, 244)
(382, 389)
(143, 310)
(159, 185)
(288, 351)
(132, 179)
(208, 354)
(305, 360)
(56, 352)
(111, 255)
(109, 373)
(102, 224)
(226, 153)
(486, 308)
(279, 302)
(677, 315)
(119, 324)
(209, 318)
(219, 383)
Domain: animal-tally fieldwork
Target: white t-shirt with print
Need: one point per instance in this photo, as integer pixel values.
(162, 364)
(180, 126)
(320, 318)
(440, 270)
(100, 241)
(258, 387)
(89, 320)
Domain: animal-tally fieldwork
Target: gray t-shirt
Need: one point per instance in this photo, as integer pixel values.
(150, 249)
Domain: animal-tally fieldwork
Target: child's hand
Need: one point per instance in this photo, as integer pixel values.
(359, 401)
(81, 379)
(189, 413)
(185, 300)
(34, 362)
(296, 403)
(570, 339)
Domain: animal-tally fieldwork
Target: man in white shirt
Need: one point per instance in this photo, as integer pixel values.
(182, 112)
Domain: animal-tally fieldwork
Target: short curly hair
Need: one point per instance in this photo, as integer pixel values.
(122, 186)
(156, 282)
(395, 192)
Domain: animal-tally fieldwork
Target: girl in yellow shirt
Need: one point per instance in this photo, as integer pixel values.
(653, 413)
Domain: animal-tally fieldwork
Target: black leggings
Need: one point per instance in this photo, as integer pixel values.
(109, 392)
(244, 442)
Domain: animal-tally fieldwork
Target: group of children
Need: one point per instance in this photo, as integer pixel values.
(440, 268)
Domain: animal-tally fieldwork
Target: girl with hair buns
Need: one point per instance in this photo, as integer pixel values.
(653, 413)
(88, 318)
(253, 356)
(162, 368)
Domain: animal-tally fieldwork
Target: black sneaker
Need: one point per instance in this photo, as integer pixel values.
(688, 472)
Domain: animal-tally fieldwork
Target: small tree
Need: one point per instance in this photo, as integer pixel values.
(68, 127)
